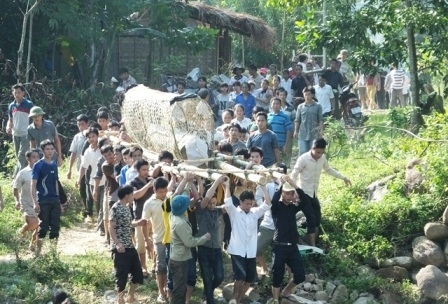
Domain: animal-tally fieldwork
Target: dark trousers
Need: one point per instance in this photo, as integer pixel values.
(179, 271)
(212, 270)
(99, 208)
(191, 272)
(50, 218)
(286, 255)
(126, 263)
(227, 230)
(89, 198)
(83, 193)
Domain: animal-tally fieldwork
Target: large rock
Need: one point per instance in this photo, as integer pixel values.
(321, 296)
(365, 271)
(227, 292)
(329, 288)
(395, 273)
(432, 282)
(402, 261)
(366, 300)
(340, 295)
(378, 189)
(445, 251)
(427, 252)
(251, 294)
(299, 300)
(436, 231)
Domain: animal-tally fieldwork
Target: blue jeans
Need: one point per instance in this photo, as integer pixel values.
(212, 270)
(304, 146)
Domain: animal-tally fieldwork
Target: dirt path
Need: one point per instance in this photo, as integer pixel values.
(81, 239)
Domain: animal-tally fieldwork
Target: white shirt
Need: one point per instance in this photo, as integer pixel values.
(242, 80)
(90, 159)
(324, 95)
(243, 241)
(76, 147)
(223, 102)
(152, 210)
(267, 221)
(286, 84)
(23, 183)
(307, 172)
(245, 123)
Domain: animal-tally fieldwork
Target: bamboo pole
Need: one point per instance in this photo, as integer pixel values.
(259, 179)
(273, 171)
(183, 169)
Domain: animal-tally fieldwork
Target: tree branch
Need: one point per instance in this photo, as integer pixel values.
(403, 130)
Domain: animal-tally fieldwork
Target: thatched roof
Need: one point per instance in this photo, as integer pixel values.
(262, 34)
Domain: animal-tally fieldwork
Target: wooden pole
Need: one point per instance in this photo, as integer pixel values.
(259, 179)
(183, 169)
(276, 172)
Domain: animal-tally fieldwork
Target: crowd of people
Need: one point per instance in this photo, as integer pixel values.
(147, 212)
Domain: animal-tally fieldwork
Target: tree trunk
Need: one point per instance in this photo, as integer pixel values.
(22, 44)
(417, 120)
(22, 39)
(28, 59)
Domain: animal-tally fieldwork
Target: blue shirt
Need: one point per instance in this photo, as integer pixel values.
(268, 142)
(46, 175)
(249, 103)
(280, 123)
(122, 180)
(19, 115)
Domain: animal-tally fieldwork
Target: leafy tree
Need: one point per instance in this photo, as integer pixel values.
(411, 31)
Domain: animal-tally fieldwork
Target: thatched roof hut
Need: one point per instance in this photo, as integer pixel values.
(257, 29)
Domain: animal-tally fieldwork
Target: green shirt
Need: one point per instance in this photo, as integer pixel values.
(182, 238)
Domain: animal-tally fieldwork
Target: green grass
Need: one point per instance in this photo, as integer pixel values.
(357, 230)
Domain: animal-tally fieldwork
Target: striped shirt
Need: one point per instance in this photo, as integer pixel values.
(397, 77)
(18, 113)
(280, 124)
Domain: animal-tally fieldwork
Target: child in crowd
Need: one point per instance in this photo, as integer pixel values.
(124, 254)
(23, 198)
(240, 119)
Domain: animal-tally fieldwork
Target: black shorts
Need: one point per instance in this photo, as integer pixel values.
(126, 263)
(286, 255)
(311, 209)
(244, 269)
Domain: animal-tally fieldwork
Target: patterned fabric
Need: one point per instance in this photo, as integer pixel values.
(121, 215)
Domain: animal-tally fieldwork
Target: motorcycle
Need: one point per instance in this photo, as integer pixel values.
(351, 108)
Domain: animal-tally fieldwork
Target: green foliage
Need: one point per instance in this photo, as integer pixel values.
(379, 229)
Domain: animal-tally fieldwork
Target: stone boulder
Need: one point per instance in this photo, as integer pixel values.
(378, 189)
(427, 252)
(436, 231)
(340, 295)
(366, 300)
(251, 294)
(402, 261)
(395, 273)
(432, 282)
